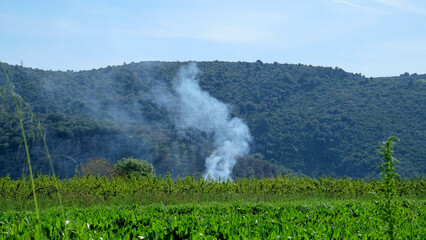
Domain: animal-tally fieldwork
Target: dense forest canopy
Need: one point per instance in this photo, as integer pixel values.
(303, 119)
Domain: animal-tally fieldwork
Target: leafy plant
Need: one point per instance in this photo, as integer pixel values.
(238, 220)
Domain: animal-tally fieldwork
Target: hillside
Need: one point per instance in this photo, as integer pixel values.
(303, 119)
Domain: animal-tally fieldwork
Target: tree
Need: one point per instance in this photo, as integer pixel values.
(134, 167)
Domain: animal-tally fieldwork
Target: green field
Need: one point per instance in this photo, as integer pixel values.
(334, 219)
(189, 208)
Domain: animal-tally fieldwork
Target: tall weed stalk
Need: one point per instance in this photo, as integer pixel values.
(20, 111)
(389, 177)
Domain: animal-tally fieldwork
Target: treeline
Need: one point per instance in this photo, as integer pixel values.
(304, 119)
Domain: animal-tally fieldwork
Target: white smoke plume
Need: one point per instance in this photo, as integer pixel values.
(193, 108)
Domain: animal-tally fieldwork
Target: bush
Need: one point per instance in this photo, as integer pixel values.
(98, 166)
(134, 167)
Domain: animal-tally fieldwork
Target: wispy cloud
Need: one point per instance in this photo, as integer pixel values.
(358, 6)
(407, 6)
(216, 25)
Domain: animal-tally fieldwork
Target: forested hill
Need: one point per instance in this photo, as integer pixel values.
(303, 119)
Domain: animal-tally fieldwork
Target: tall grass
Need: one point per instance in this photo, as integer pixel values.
(20, 113)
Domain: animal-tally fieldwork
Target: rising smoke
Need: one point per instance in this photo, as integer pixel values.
(192, 108)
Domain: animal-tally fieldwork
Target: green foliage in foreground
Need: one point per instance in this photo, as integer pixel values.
(300, 220)
(189, 208)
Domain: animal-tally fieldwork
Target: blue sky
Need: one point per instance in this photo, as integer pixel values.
(371, 37)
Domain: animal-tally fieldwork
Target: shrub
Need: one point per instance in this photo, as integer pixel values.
(98, 166)
(134, 167)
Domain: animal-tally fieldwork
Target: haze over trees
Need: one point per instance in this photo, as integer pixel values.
(303, 119)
